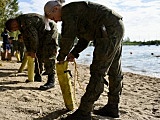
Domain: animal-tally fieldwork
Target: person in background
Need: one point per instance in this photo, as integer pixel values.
(21, 47)
(90, 21)
(14, 46)
(39, 42)
(6, 43)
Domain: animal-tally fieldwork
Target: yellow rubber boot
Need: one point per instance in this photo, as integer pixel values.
(65, 84)
(30, 69)
(17, 55)
(23, 65)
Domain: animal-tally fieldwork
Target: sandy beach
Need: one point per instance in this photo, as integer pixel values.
(140, 98)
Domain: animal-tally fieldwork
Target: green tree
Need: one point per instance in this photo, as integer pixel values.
(127, 39)
(8, 9)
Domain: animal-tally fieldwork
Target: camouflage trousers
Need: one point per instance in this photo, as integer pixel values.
(106, 59)
(47, 64)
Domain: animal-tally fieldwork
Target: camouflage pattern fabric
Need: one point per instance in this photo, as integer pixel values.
(47, 51)
(32, 29)
(103, 26)
(39, 40)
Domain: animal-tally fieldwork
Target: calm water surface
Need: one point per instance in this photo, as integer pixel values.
(135, 59)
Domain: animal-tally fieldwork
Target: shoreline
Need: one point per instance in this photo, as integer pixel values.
(129, 71)
(20, 101)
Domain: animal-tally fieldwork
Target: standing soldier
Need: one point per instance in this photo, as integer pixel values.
(40, 44)
(92, 22)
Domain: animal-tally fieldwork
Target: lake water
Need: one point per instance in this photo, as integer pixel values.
(135, 59)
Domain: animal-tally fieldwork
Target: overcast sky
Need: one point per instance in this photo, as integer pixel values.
(141, 17)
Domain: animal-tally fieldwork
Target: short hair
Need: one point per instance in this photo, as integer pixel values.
(49, 7)
(8, 24)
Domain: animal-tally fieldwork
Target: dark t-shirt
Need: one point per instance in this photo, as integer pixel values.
(5, 38)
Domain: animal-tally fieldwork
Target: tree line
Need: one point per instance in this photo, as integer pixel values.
(127, 41)
(8, 9)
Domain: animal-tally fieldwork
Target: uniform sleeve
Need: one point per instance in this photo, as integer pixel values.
(51, 38)
(54, 33)
(68, 36)
(81, 45)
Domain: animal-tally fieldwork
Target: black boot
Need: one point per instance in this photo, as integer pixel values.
(110, 110)
(49, 84)
(37, 78)
(78, 115)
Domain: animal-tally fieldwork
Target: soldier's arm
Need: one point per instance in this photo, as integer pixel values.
(81, 45)
(51, 38)
(54, 34)
(68, 36)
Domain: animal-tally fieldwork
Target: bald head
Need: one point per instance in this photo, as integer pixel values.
(48, 8)
(52, 10)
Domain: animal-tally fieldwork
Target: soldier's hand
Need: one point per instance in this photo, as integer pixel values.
(60, 62)
(70, 57)
(32, 54)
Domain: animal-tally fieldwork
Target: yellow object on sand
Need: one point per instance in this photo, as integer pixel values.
(24, 63)
(30, 68)
(17, 55)
(65, 84)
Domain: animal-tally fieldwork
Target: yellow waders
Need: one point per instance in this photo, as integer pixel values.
(29, 61)
(24, 63)
(65, 84)
(30, 68)
(17, 55)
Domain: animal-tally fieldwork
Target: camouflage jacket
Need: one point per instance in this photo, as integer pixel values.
(81, 19)
(32, 27)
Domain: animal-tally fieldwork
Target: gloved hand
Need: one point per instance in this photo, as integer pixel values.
(60, 62)
(32, 54)
(70, 57)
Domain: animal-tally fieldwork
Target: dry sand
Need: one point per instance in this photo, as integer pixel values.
(140, 98)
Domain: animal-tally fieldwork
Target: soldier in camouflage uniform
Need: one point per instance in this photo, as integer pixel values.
(40, 43)
(92, 22)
